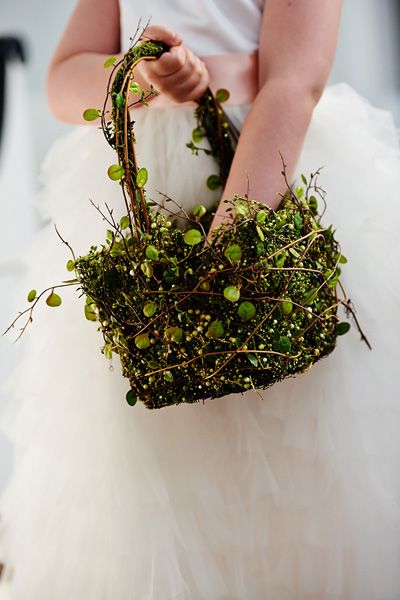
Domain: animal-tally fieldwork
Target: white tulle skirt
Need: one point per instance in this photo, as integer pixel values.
(288, 494)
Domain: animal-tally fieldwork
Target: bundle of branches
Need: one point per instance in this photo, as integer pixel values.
(192, 318)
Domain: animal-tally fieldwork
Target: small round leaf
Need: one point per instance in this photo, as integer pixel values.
(199, 211)
(141, 177)
(70, 265)
(342, 328)
(215, 329)
(287, 306)
(246, 310)
(131, 398)
(197, 135)
(135, 88)
(53, 300)
(222, 95)
(91, 114)
(233, 253)
(152, 252)
(192, 237)
(214, 182)
(232, 293)
(124, 222)
(110, 62)
(32, 295)
(174, 334)
(149, 309)
(142, 341)
(89, 313)
(116, 172)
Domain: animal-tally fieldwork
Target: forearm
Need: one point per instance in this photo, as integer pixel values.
(80, 82)
(277, 123)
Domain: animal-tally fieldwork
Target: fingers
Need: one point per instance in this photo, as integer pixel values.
(178, 73)
(162, 34)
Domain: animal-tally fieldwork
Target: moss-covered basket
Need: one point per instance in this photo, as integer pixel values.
(192, 318)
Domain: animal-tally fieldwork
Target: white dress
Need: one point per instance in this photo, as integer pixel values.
(295, 496)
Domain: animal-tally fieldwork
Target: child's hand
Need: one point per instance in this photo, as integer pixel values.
(178, 73)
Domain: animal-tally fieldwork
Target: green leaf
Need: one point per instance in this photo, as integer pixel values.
(32, 295)
(233, 253)
(131, 398)
(110, 62)
(199, 211)
(168, 376)
(152, 253)
(246, 310)
(232, 293)
(214, 182)
(252, 358)
(222, 95)
(116, 172)
(280, 259)
(120, 100)
(141, 177)
(241, 209)
(313, 203)
(53, 300)
(299, 192)
(149, 309)
(135, 88)
(89, 313)
(298, 221)
(311, 295)
(142, 341)
(91, 114)
(174, 334)
(124, 222)
(147, 269)
(215, 329)
(197, 135)
(192, 237)
(107, 351)
(343, 259)
(304, 179)
(287, 306)
(260, 233)
(342, 328)
(294, 252)
(261, 216)
(70, 265)
(284, 344)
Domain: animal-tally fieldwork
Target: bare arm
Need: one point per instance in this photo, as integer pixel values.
(296, 51)
(77, 79)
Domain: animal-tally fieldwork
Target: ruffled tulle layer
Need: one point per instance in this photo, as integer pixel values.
(287, 494)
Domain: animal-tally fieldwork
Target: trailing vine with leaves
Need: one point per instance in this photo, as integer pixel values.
(192, 318)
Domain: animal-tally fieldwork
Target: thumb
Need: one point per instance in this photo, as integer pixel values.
(162, 34)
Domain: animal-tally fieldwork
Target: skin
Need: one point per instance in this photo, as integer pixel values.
(297, 45)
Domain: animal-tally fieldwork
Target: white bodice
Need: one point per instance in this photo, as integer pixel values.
(207, 26)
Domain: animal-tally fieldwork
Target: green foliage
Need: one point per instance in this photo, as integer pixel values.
(141, 177)
(232, 293)
(191, 320)
(246, 310)
(32, 295)
(110, 62)
(192, 237)
(91, 114)
(116, 172)
(222, 95)
(214, 182)
(53, 300)
(233, 253)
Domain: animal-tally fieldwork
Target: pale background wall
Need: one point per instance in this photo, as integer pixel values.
(366, 58)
